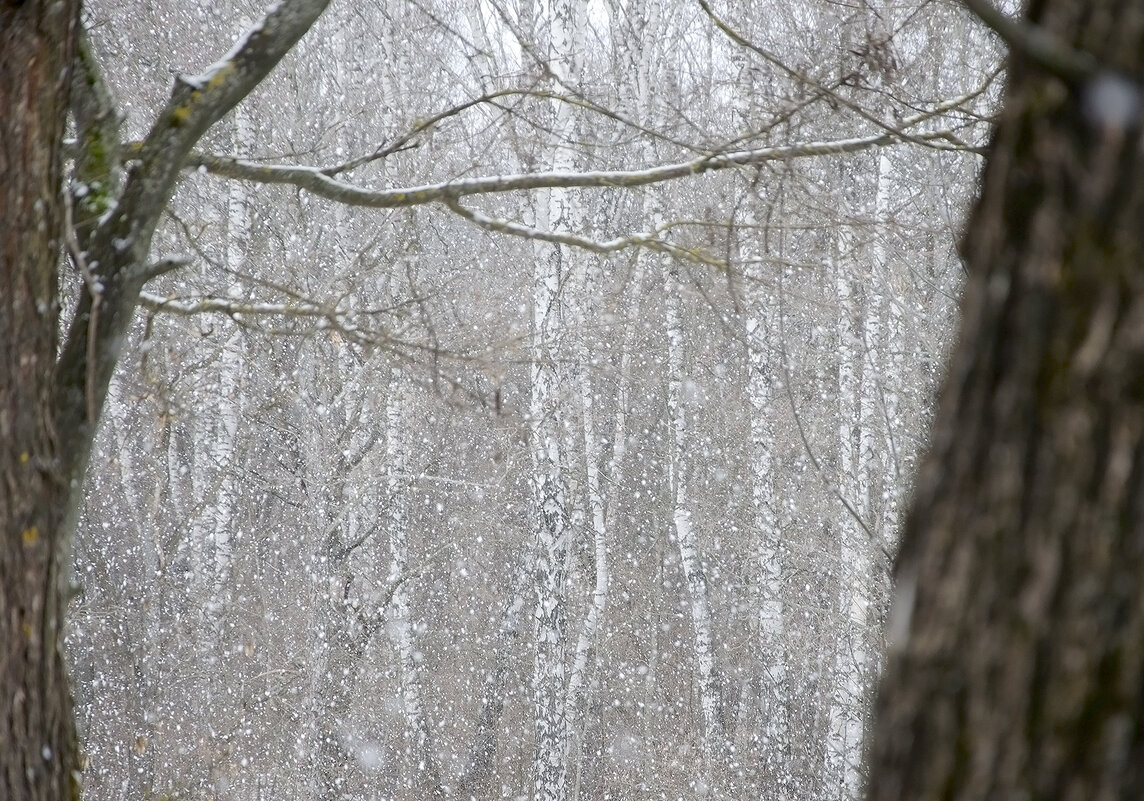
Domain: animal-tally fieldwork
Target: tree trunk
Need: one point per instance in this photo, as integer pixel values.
(422, 776)
(1017, 656)
(708, 679)
(558, 210)
(38, 754)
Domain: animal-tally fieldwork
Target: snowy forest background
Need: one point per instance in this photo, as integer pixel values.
(556, 493)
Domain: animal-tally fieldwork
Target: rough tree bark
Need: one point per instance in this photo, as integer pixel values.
(49, 407)
(38, 754)
(1017, 657)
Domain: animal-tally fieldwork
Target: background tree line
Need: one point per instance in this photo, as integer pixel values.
(418, 478)
(677, 467)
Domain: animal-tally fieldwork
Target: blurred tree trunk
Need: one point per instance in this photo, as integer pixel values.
(1017, 656)
(38, 753)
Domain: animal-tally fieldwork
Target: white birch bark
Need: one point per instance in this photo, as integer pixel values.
(553, 532)
(690, 555)
(592, 451)
(225, 434)
(861, 429)
(845, 730)
(889, 370)
(764, 374)
(206, 549)
(421, 776)
(319, 745)
(557, 210)
(863, 434)
(600, 513)
(222, 450)
(762, 330)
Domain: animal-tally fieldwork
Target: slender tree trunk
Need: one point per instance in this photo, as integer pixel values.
(553, 527)
(761, 331)
(690, 555)
(557, 210)
(594, 489)
(889, 372)
(225, 435)
(843, 755)
(479, 777)
(423, 776)
(1017, 663)
(38, 753)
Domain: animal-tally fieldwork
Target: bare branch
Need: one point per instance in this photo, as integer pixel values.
(354, 326)
(319, 183)
(167, 264)
(827, 482)
(648, 241)
(1036, 44)
(405, 141)
(819, 87)
(118, 250)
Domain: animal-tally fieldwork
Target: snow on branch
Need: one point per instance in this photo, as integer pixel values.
(648, 241)
(98, 173)
(198, 102)
(232, 307)
(324, 316)
(318, 182)
(120, 223)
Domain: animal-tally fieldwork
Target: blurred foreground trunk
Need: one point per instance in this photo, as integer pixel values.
(1017, 635)
(38, 754)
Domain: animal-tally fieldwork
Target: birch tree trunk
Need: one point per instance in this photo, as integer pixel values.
(890, 372)
(765, 373)
(557, 210)
(423, 779)
(553, 526)
(690, 554)
(223, 442)
(478, 779)
(597, 525)
(854, 463)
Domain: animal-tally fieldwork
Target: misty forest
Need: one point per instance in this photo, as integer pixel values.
(525, 399)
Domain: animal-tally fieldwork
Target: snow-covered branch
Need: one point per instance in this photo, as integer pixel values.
(232, 306)
(199, 101)
(319, 182)
(121, 242)
(649, 241)
(324, 316)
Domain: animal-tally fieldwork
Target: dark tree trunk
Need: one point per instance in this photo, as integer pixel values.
(1017, 656)
(37, 738)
